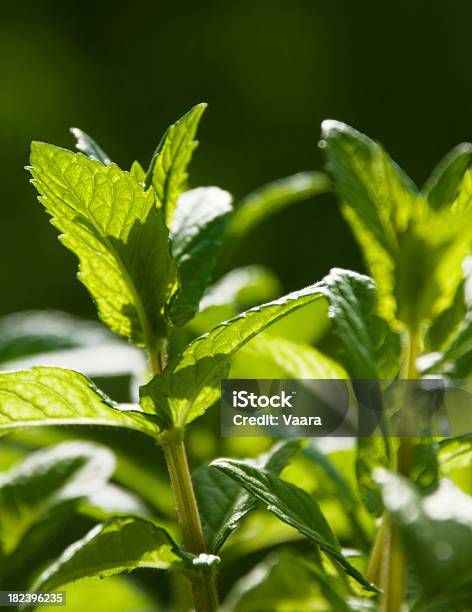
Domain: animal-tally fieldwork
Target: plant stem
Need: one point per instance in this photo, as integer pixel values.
(204, 591)
(203, 586)
(378, 547)
(157, 356)
(393, 568)
(155, 362)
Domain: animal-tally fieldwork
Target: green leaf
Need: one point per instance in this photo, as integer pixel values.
(118, 593)
(286, 582)
(291, 505)
(138, 172)
(445, 325)
(308, 325)
(450, 335)
(425, 468)
(371, 454)
(223, 503)
(456, 359)
(335, 478)
(342, 487)
(216, 495)
(234, 292)
(190, 384)
(455, 453)
(198, 224)
(34, 332)
(106, 360)
(271, 198)
(111, 500)
(445, 181)
(241, 287)
(436, 530)
(437, 242)
(118, 545)
(87, 145)
(370, 184)
(368, 347)
(118, 234)
(267, 356)
(373, 450)
(136, 469)
(168, 169)
(332, 472)
(45, 481)
(37, 338)
(377, 201)
(395, 226)
(52, 396)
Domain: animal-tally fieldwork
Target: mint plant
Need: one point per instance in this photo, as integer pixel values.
(149, 250)
(416, 245)
(145, 256)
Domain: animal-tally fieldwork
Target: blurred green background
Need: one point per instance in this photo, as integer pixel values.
(270, 71)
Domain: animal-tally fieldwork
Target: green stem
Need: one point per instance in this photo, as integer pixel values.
(172, 441)
(157, 356)
(393, 568)
(413, 350)
(203, 586)
(154, 362)
(377, 552)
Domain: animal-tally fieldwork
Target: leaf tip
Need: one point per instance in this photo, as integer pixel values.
(332, 129)
(219, 464)
(463, 148)
(330, 126)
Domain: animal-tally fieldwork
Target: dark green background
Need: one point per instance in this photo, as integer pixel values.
(270, 70)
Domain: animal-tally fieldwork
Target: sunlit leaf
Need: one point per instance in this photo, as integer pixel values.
(118, 234)
(117, 593)
(455, 452)
(291, 505)
(446, 179)
(191, 382)
(168, 169)
(223, 503)
(268, 356)
(286, 582)
(120, 544)
(368, 347)
(52, 396)
(413, 248)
